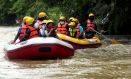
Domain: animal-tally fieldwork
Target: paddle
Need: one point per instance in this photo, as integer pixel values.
(112, 41)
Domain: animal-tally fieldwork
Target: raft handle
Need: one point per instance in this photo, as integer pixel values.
(45, 49)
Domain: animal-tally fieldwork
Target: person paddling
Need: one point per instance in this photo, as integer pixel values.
(29, 31)
(90, 27)
(20, 32)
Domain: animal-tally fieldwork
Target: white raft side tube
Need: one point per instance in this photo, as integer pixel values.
(38, 40)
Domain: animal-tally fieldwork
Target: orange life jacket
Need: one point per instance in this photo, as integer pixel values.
(23, 32)
(61, 28)
(90, 24)
(77, 29)
(34, 32)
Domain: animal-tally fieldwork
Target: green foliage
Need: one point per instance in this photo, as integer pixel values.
(119, 13)
(5, 11)
(54, 13)
(20, 7)
(36, 8)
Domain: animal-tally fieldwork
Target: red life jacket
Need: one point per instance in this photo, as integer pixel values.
(61, 28)
(34, 32)
(77, 29)
(90, 24)
(23, 32)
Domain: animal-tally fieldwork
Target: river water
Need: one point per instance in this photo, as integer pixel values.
(105, 62)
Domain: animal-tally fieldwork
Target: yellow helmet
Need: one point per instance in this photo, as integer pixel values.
(71, 18)
(25, 18)
(30, 21)
(72, 24)
(44, 21)
(91, 14)
(50, 21)
(62, 18)
(75, 20)
(42, 14)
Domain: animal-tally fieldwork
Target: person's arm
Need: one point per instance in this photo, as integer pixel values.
(36, 25)
(81, 29)
(26, 35)
(48, 34)
(96, 27)
(45, 32)
(16, 37)
(42, 30)
(18, 34)
(67, 27)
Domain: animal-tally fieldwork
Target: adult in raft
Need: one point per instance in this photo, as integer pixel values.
(62, 26)
(29, 31)
(20, 33)
(50, 29)
(38, 25)
(91, 27)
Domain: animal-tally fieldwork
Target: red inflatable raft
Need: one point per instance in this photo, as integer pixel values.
(39, 48)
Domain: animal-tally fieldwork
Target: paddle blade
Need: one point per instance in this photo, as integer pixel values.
(115, 41)
(110, 41)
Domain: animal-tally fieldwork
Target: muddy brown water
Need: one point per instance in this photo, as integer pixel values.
(105, 62)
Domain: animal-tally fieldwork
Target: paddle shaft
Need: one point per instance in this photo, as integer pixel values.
(100, 33)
